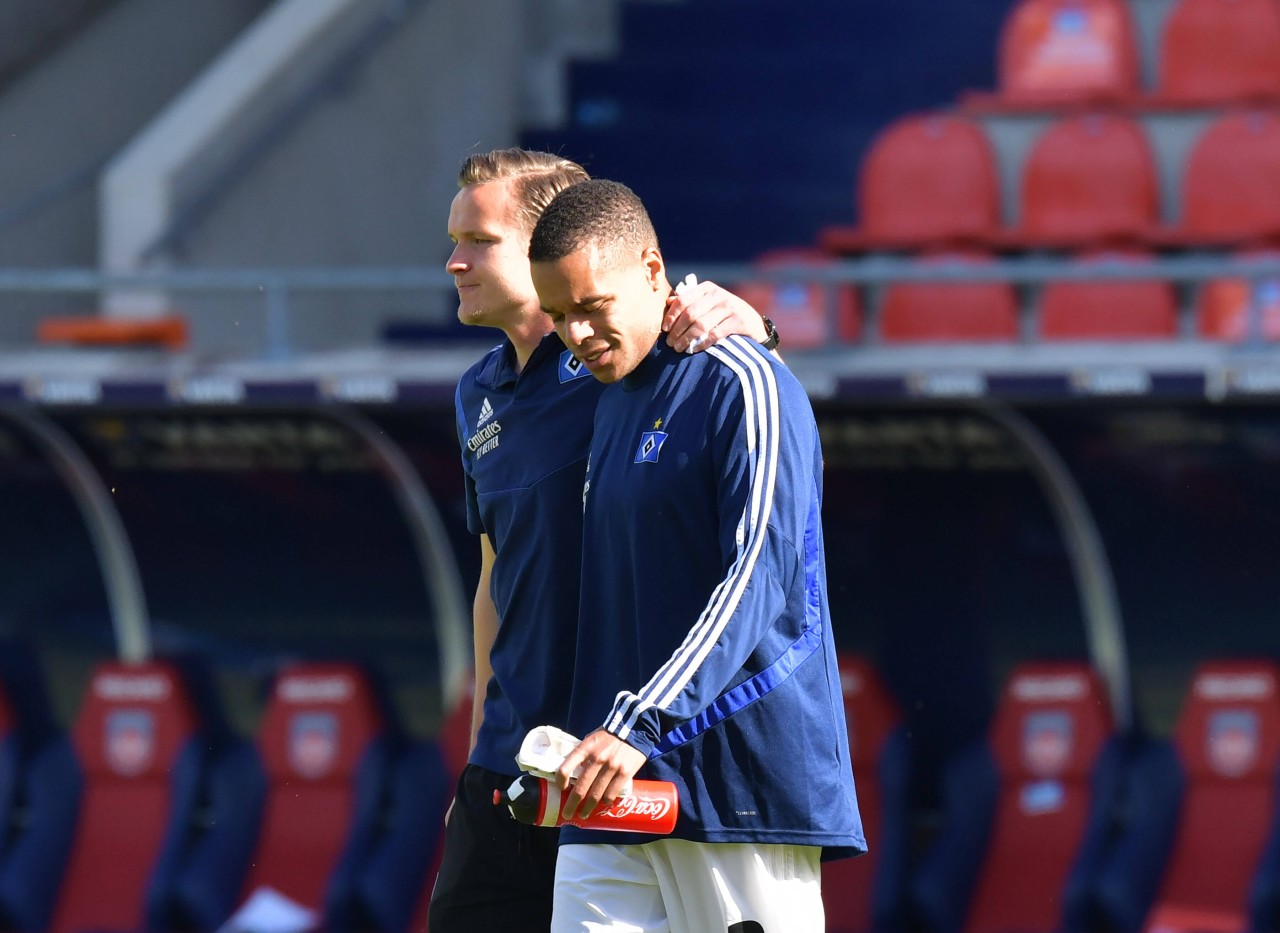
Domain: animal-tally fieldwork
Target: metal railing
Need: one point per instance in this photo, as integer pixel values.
(276, 290)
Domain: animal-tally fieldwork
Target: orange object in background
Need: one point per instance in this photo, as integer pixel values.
(169, 332)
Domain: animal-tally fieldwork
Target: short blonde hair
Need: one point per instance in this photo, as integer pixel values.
(539, 177)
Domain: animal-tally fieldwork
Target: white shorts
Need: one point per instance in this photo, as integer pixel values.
(676, 886)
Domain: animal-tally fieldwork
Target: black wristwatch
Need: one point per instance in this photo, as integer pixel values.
(771, 338)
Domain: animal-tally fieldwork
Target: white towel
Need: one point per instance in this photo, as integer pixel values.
(543, 751)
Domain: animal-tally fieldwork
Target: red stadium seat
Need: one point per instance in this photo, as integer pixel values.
(1049, 731)
(400, 869)
(864, 894)
(928, 181)
(326, 773)
(1215, 51)
(1231, 189)
(1225, 306)
(801, 310)
(1228, 740)
(1113, 310)
(1057, 51)
(1024, 808)
(134, 725)
(986, 311)
(1090, 180)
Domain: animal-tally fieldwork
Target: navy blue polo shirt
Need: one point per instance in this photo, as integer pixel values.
(705, 636)
(525, 439)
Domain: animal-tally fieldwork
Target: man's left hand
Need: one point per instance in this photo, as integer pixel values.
(703, 314)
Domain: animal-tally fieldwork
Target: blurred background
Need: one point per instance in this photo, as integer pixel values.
(1024, 255)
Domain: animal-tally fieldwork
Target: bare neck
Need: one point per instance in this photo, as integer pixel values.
(526, 335)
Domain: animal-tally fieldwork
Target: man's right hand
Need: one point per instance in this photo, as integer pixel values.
(605, 766)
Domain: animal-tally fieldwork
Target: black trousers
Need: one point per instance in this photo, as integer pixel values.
(496, 874)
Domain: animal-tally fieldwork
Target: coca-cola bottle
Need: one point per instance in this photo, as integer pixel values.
(651, 807)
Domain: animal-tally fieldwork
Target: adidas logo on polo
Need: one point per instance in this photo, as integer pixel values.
(487, 430)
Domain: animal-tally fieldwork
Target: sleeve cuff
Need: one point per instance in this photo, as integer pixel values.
(642, 734)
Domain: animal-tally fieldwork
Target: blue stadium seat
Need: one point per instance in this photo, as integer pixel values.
(397, 873)
(39, 794)
(454, 741)
(198, 885)
(1131, 871)
(36, 856)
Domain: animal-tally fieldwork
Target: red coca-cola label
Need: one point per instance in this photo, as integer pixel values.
(651, 807)
(637, 807)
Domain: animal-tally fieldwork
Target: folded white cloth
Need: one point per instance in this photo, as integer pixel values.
(543, 751)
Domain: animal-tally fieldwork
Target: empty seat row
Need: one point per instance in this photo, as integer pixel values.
(930, 184)
(812, 315)
(155, 816)
(1211, 52)
(931, 181)
(1057, 822)
(1089, 187)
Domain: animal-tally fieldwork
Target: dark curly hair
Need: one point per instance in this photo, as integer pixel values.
(602, 212)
